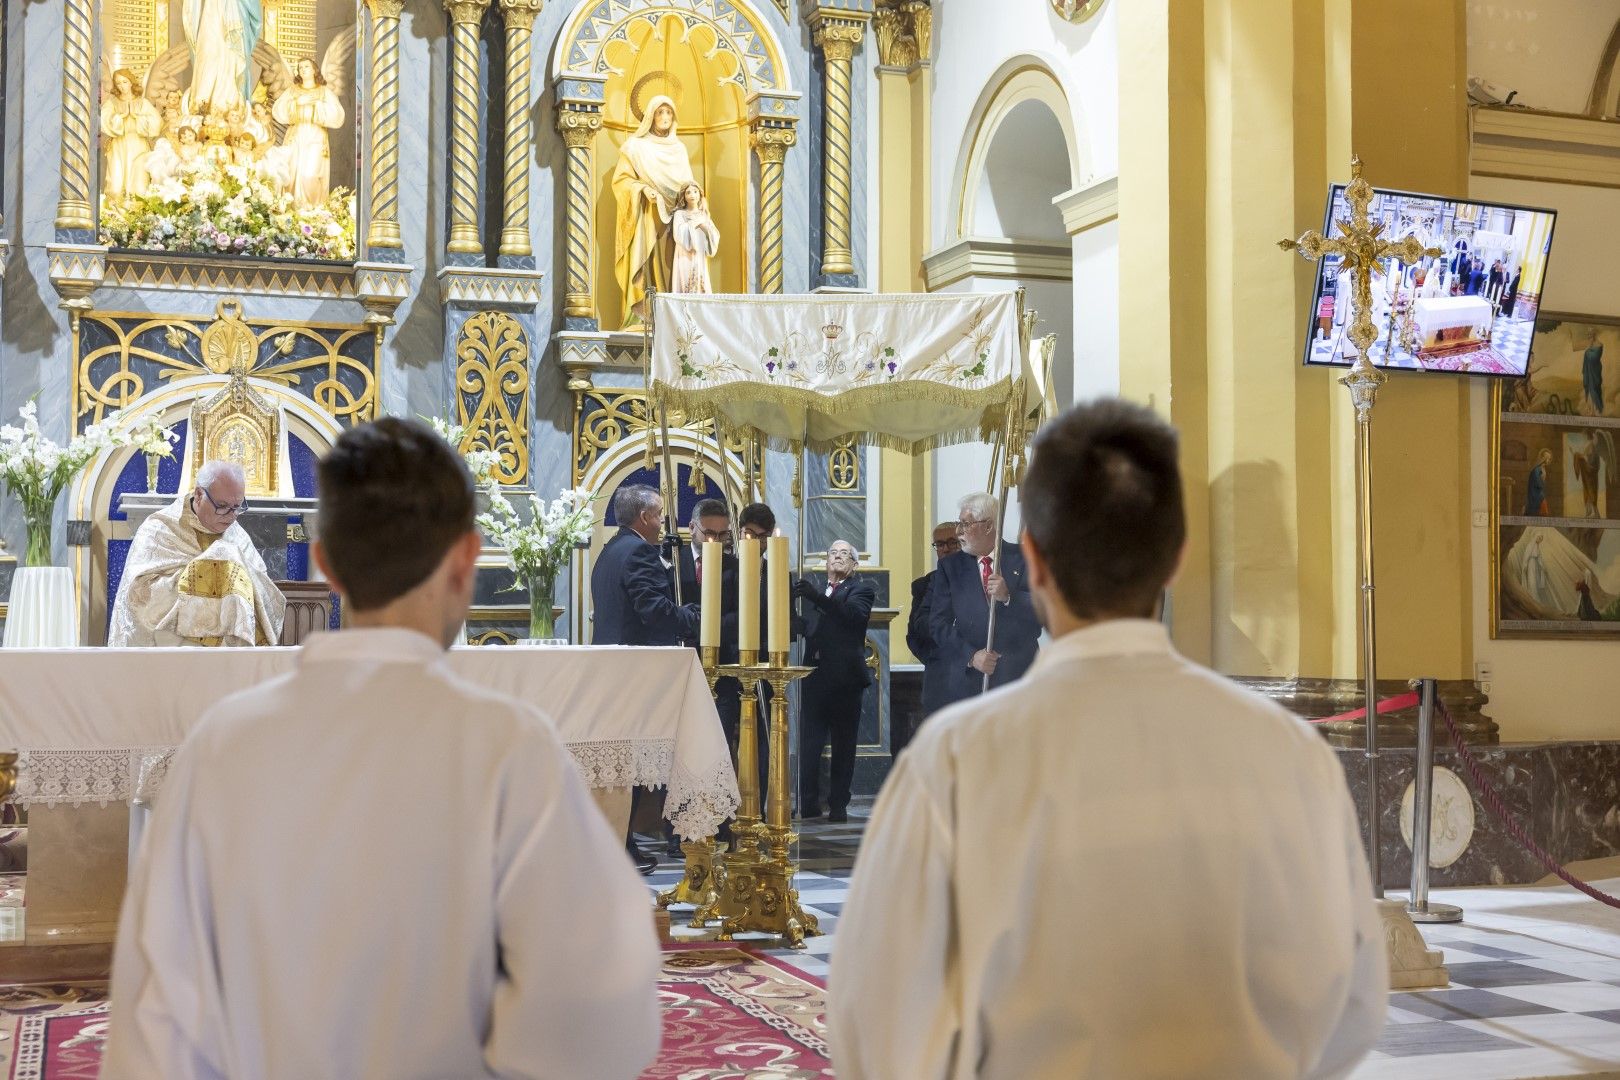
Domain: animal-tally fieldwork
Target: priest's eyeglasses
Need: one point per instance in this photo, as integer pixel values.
(221, 508)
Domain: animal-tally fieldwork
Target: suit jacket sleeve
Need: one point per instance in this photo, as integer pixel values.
(1016, 621)
(919, 638)
(852, 609)
(951, 648)
(647, 584)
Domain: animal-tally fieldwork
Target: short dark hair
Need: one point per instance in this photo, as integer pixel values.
(758, 515)
(710, 508)
(394, 497)
(1102, 502)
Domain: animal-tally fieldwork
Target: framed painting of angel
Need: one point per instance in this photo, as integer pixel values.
(228, 127)
(1555, 481)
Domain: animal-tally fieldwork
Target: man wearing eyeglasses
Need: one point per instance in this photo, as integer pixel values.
(193, 576)
(959, 603)
(920, 637)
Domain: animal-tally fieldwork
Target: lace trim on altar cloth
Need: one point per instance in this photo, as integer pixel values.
(75, 777)
(695, 806)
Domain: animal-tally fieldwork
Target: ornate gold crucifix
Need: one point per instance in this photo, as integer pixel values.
(1362, 249)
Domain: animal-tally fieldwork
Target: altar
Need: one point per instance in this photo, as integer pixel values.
(1451, 324)
(94, 730)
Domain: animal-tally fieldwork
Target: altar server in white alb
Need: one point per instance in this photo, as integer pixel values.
(369, 867)
(193, 576)
(1122, 866)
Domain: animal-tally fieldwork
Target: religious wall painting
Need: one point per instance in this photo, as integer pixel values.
(673, 161)
(227, 127)
(1555, 515)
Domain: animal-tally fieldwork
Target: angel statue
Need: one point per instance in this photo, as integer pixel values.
(308, 108)
(129, 121)
(223, 35)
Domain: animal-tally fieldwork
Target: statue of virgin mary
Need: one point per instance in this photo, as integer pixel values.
(222, 34)
(653, 169)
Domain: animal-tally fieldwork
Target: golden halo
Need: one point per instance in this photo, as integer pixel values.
(672, 84)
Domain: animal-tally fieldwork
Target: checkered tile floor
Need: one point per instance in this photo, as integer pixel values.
(1519, 1005)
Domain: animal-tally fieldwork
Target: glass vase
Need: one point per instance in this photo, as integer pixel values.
(542, 591)
(152, 461)
(37, 517)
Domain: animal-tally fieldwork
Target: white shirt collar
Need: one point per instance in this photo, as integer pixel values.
(384, 644)
(1115, 637)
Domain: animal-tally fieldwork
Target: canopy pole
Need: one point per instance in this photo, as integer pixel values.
(666, 482)
(1002, 452)
(998, 481)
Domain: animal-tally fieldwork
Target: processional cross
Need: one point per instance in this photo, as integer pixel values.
(1362, 248)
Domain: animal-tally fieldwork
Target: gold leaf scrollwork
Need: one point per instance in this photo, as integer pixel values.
(492, 391)
(844, 465)
(609, 417)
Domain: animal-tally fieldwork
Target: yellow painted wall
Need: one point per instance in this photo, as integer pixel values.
(1233, 120)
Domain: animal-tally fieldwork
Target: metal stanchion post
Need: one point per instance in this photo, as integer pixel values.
(1418, 905)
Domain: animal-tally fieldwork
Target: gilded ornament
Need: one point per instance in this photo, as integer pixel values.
(1076, 11)
(520, 14)
(492, 391)
(386, 9)
(466, 11)
(844, 465)
(896, 42)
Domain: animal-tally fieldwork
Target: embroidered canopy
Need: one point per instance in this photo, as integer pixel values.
(906, 371)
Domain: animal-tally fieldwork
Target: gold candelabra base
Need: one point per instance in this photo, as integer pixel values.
(701, 884)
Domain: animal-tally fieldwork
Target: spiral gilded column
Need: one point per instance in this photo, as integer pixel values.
(465, 18)
(578, 128)
(770, 143)
(75, 207)
(383, 231)
(837, 34)
(519, 15)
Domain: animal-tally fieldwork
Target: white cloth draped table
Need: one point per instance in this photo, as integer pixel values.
(41, 613)
(98, 725)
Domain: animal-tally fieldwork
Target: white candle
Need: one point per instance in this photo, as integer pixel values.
(748, 556)
(776, 629)
(709, 596)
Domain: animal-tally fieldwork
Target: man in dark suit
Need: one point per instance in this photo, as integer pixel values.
(920, 636)
(835, 621)
(633, 596)
(959, 607)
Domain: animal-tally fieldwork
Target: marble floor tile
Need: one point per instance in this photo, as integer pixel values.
(1565, 997)
(1407, 1040)
(1489, 973)
(1464, 1004)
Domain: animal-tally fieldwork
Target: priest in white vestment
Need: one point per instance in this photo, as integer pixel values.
(1122, 866)
(193, 576)
(369, 867)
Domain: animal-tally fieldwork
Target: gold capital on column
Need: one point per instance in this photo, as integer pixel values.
(383, 232)
(520, 14)
(465, 17)
(578, 127)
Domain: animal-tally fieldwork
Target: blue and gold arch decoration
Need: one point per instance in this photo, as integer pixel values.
(124, 356)
(737, 27)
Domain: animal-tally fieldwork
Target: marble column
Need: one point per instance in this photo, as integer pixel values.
(519, 15)
(837, 33)
(465, 18)
(75, 208)
(579, 118)
(772, 129)
(383, 231)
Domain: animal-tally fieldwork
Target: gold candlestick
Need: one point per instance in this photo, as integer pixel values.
(705, 877)
(772, 903)
(740, 866)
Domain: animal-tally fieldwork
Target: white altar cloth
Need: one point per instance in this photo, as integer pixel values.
(41, 613)
(1435, 313)
(98, 725)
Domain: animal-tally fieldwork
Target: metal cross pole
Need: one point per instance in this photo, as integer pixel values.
(1362, 249)
(1417, 905)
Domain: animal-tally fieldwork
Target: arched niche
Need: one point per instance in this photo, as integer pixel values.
(1025, 98)
(309, 432)
(710, 57)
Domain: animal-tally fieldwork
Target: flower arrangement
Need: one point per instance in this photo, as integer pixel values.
(152, 439)
(480, 459)
(226, 209)
(36, 469)
(537, 550)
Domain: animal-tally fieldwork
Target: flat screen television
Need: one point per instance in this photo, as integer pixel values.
(1471, 310)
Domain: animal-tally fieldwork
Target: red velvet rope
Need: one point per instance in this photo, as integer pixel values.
(1489, 796)
(1394, 704)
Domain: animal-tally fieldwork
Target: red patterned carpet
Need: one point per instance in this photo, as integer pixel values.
(728, 1014)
